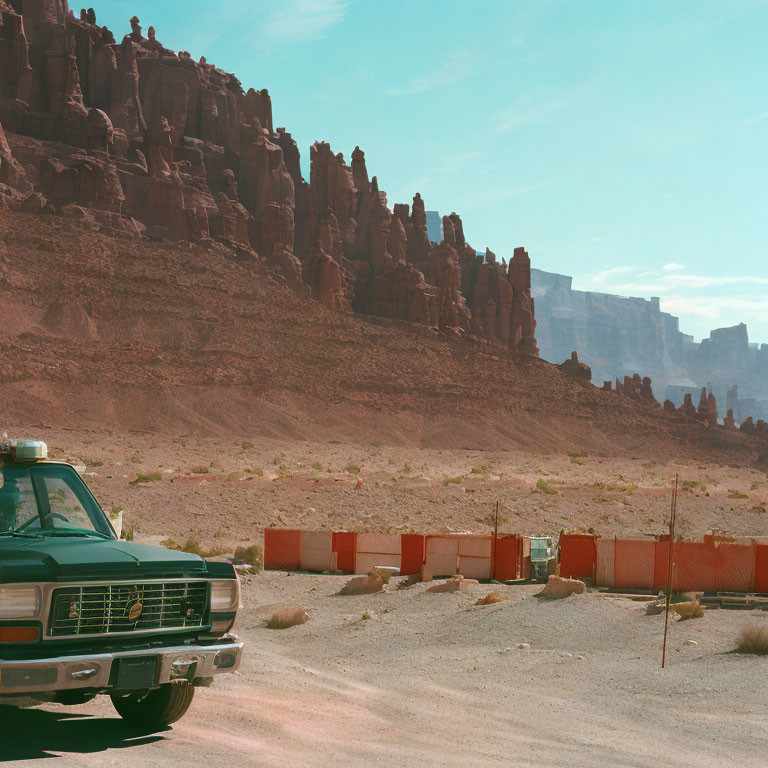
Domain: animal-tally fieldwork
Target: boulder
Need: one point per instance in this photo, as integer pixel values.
(363, 585)
(289, 616)
(691, 609)
(557, 587)
(452, 585)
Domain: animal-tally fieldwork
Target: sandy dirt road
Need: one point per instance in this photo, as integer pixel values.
(433, 680)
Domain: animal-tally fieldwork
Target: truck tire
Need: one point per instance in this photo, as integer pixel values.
(158, 707)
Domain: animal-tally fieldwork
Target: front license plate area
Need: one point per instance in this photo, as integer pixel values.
(135, 673)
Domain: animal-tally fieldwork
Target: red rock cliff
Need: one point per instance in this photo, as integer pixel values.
(148, 142)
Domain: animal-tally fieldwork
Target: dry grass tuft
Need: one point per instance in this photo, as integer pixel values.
(753, 638)
(490, 599)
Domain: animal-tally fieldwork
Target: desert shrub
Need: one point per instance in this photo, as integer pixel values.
(753, 638)
(353, 469)
(452, 481)
(545, 487)
(128, 534)
(246, 444)
(690, 483)
(94, 462)
(147, 478)
(192, 546)
(577, 460)
(620, 487)
(733, 494)
(201, 470)
(235, 476)
(577, 454)
(250, 555)
(317, 466)
(479, 470)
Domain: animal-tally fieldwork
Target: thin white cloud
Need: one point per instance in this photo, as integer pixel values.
(453, 70)
(296, 21)
(756, 118)
(512, 119)
(606, 274)
(673, 267)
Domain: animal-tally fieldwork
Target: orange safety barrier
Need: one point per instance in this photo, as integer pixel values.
(710, 565)
(412, 553)
(344, 545)
(478, 557)
(578, 556)
(506, 552)
(282, 549)
(761, 568)
(634, 564)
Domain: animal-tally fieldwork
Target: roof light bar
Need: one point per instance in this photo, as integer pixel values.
(25, 450)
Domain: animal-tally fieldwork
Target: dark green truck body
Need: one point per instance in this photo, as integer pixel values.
(81, 612)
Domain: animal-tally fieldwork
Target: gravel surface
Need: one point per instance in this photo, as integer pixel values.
(433, 680)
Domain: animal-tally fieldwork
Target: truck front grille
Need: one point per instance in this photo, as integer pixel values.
(116, 608)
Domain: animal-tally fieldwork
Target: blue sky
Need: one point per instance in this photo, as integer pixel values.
(624, 143)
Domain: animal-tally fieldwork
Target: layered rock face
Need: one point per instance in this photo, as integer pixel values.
(136, 138)
(617, 335)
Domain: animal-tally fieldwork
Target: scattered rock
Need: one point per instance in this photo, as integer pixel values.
(290, 616)
(557, 587)
(385, 572)
(452, 585)
(367, 615)
(688, 610)
(655, 608)
(523, 645)
(363, 585)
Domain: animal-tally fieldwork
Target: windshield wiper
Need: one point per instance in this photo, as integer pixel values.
(80, 534)
(21, 534)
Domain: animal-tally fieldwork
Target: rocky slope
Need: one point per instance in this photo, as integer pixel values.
(107, 332)
(163, 264)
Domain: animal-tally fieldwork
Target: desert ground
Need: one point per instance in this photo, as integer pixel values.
(429, 679)
(434, 680)
(225, 491)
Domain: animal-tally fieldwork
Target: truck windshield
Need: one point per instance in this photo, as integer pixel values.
(48, 500)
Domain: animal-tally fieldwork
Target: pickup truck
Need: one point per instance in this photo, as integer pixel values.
(83, 614)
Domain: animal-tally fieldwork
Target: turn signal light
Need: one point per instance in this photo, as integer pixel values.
(19, 634)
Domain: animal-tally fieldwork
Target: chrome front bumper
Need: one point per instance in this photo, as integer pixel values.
(92, 671)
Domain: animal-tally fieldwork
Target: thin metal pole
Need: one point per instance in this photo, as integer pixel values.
(672, 521)
(495, 537)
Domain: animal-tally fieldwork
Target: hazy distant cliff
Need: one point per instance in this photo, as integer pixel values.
(618, 336)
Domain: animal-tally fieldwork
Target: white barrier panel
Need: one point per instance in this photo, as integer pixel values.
(377, 549)
(606, 557)
(475, 557)
(316, 549)
(442, 556)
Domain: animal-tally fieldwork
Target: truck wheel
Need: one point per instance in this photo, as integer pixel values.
(158, 707)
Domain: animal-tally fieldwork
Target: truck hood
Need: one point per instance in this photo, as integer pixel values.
(81, 559)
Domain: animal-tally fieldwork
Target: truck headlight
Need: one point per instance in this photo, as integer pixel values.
(19, 601)
(225, 595)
